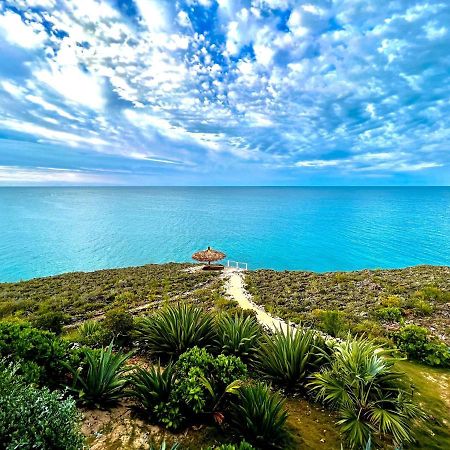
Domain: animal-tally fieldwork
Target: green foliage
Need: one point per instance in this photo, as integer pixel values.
(389, 314)
(288, 356)
(118, 324)
(102, 379)
(33, 418)
(392, 301)
(260, 416)
(175, 329)
(153, 391)
(92, 333)
(164, 446)
(419, 345)
(241, 446)
(41, 354)
(332, 322)
(423, 307)
(51, 321)
(432, 293)
(238, 335)
(371, 399)
(203, 379)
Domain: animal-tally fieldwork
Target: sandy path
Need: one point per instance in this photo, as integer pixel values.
(235, 289)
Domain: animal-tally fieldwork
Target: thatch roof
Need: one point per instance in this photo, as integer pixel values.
(208, 255)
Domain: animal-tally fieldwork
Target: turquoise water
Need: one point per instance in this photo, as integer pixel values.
(46, 231)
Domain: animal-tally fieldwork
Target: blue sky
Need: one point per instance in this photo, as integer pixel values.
(217, 92)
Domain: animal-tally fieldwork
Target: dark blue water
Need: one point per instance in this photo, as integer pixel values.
(45, 231)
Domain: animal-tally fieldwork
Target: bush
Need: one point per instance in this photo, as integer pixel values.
(288, 356)
(118, 324)
(204, 379)
(241, 446)
(419, 345)
(260, 416)
(51, 321)
(369, 396)
(102, 379)
(238, 335)
(153, 391)
(392, 301)
(40, 353)
(332, 322)
(389, 314)
(422, 307)
(175, 329)
(35, 418)
(92, 334)
(431, 293)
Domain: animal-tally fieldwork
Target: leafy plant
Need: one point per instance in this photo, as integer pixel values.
(118, 324)
(432, 293)
(164, 446)
(423, 307)
(332, 322)
(92, 333)
(40, 353)
(102, 379)
(289, 355)
(260, 416)
(51, 321)
(175, 329)
(36, 418)
(389, 314)
(238, 335)
(418, 344)
(241, 446)
(153, 390)
(371, 399)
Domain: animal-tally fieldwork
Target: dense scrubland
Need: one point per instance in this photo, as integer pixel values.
(157, 357)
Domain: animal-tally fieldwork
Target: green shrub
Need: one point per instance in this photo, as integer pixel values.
(51, 321)
(389, 314)
(241, 446)
(102, 379)
(92, 334)
(288, 356)
(392, 301)
(259, 416)
(203, 379)
(332, 322)
(422, 307)
(118, 324)
(238, 335)
(371, 399)
(175, 329)
(33, 418)
(419, 345)
(432, 293)
(41, 354)
(164, 446)
(153, 391)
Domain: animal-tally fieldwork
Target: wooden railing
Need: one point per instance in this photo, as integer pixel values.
(237, 264)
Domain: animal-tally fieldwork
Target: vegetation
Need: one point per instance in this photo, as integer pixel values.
(288, 356)
(32, 417)
(175, 329)
(260, 416)
(102, 379)
(371, 398)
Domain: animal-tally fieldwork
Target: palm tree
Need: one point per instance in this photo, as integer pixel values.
(372, 399)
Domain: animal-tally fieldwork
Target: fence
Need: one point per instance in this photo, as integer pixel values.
(237, 264)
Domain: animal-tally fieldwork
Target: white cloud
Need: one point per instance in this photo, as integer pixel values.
(27, 35)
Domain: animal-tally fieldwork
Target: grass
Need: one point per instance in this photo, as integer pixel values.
(433, 391)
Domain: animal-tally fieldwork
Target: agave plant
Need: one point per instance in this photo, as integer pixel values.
(173, 330)
(150, 387)
(369, 395)
(237, 335)
(260, 416)
(288, 356)
(103, 379)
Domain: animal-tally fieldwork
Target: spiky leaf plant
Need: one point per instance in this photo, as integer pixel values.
(260, 416)
(101, 381)
(237, 335)
(371, 398)
(173, 330)
(289, 355)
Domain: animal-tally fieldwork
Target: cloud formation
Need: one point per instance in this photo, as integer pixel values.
(224, 92)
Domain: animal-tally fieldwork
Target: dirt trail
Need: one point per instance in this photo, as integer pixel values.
(235, 289)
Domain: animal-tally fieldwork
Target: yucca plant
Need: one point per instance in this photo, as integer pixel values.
(150, 387)
(175, 329)
(371, 398)
(103, 378)
(289, 355)
(237, 335)
(260, 416)
(91, 332)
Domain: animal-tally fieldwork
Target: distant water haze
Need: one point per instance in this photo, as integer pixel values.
(46, 231)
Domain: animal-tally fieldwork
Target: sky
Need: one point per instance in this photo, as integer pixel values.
(224, 92)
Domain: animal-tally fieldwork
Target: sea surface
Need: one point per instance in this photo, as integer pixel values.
(46, 231)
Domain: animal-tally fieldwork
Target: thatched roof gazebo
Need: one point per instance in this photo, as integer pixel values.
(209, 255)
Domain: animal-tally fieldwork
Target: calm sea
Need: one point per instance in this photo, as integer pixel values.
(45, 231)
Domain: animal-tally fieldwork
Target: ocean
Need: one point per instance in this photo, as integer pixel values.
(47, 231)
